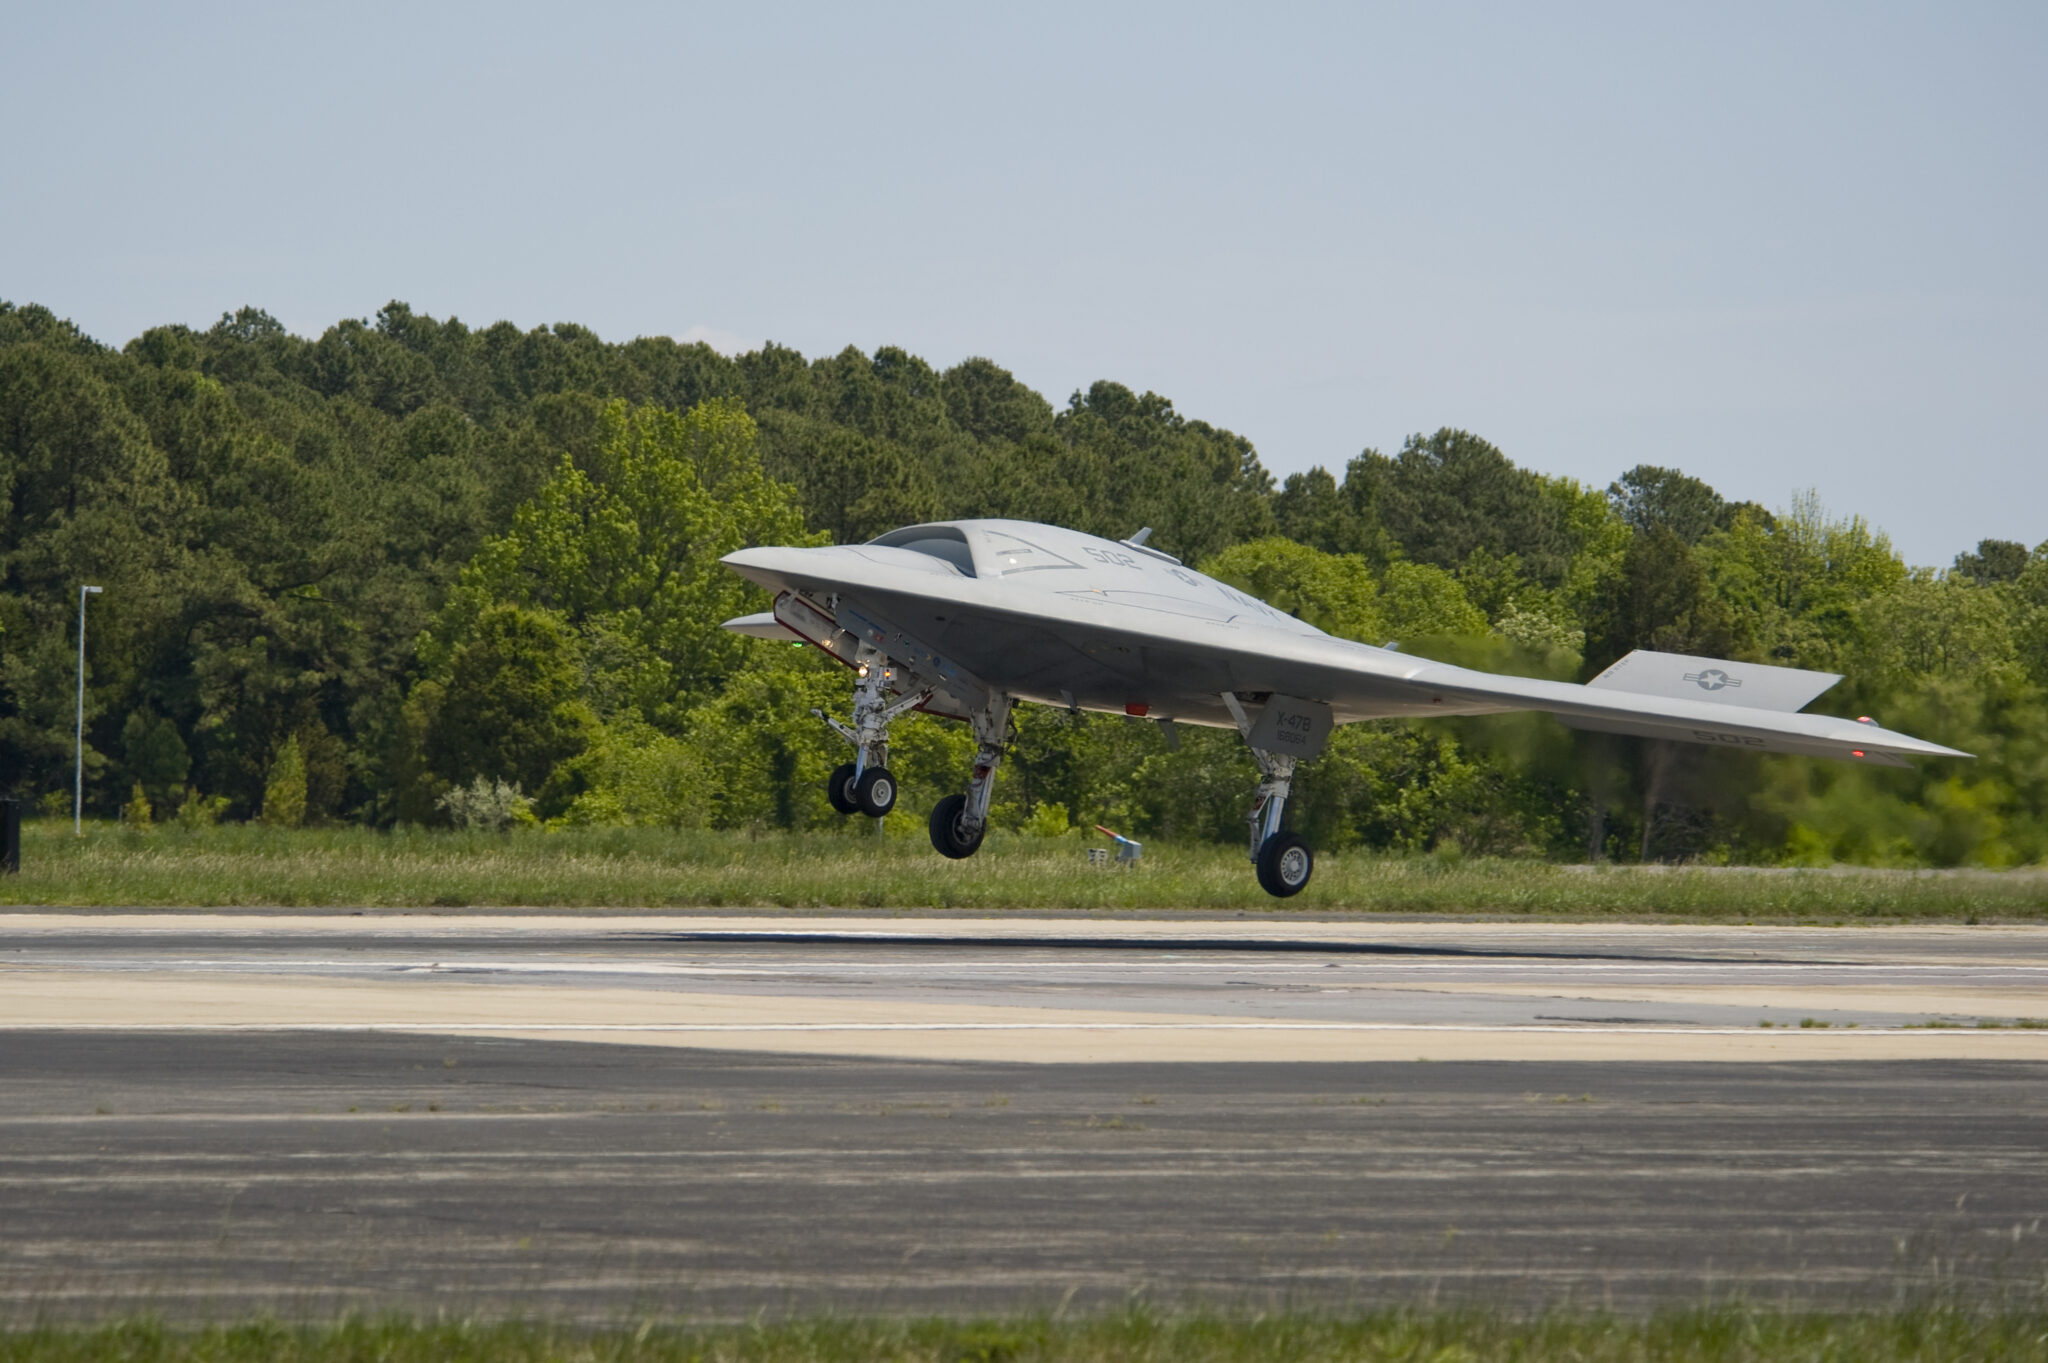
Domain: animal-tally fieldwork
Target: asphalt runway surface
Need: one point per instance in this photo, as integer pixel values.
(210, 1115)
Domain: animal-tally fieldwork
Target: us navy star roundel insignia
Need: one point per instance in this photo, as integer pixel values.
(1713, 679)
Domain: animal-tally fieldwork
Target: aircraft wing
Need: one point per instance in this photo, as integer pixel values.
(1695, 700)
(1686, 699)
(1171, 646)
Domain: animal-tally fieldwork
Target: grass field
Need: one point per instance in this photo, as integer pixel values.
(619, 868)
(1709, 1336)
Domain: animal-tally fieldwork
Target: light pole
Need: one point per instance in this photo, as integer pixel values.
(78, 780)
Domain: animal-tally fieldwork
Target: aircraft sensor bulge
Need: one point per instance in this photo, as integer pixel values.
(965, 619)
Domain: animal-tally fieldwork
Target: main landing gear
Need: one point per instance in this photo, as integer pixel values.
(1283, 860)
(959, 822)
(865, 785)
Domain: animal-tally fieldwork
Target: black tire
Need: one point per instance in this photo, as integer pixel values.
(836, 790)
(875, 792)
(947, 835)
(1285, 864)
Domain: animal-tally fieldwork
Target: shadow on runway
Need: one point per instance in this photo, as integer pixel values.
(1284, 945)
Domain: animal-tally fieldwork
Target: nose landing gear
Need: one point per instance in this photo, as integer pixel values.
(865, 785)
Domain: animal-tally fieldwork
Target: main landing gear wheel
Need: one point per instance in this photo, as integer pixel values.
(875, 792)
(838, 789)
(949, 834)
(1285, 864)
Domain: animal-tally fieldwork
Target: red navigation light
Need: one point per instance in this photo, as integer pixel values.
(1138, 708)
(1855, 752)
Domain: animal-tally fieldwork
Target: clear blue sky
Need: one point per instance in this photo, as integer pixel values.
(1778, 246)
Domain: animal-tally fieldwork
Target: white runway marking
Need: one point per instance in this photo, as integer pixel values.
(1219, 1026)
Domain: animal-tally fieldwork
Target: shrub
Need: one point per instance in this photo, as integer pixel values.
(200, 811)
(486, 804)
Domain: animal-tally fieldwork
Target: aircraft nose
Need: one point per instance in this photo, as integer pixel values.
(764, 565)
(774, 566)
(761, 557)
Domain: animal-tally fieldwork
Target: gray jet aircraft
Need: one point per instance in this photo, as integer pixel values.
(966, 618)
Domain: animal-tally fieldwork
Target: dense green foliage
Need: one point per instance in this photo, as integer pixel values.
(346, 576)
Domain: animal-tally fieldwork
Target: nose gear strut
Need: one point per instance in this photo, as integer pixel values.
(865, 785)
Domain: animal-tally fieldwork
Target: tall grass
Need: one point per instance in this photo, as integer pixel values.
(1725, 1335)
(860, 868)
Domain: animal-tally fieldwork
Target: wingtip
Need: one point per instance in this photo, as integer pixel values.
(1905, 745)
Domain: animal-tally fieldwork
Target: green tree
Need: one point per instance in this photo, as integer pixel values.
(985, 401)
(157, 756)
(1663, 600)
(1994, 561)
(1201, 489)
(1446, 495)
(1648, 498)
(1936, 625)
(628, 548)
(88, 498)
(1795, 583)
(1419, 600)
(854, 486)
(2030, 627)
(510, 707)
(1311, 508)
(1334, 592)
(284, 793)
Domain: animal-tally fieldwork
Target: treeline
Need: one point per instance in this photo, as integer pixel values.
(390, 574)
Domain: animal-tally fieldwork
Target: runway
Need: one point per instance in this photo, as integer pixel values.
(1047, 990)
(593, 1117)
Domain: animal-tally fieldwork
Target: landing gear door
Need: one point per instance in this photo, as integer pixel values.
(806, 621)
(1291, 727)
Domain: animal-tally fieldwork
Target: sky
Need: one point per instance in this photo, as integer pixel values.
(1779, 246)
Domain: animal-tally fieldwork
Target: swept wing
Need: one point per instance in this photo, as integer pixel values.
(1049, 615)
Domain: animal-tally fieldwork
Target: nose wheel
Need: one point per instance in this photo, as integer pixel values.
(853, 791)
(875, 792)
(839, 789)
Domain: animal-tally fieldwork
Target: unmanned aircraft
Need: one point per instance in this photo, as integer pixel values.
(965, 619)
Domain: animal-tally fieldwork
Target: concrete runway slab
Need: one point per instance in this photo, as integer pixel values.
(214, 1175)
(210, 1114)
